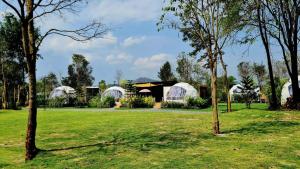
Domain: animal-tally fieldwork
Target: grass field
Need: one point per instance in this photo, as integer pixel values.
(91, 138)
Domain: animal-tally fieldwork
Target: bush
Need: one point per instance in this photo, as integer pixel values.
(57, 102)
(197, 102)
(191, 103)
(138, 102)
(95, 102)
(173, 105)
(104, 102)
(107, 102)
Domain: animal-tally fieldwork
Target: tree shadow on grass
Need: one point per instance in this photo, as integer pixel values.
(263, 127)
(146, 141)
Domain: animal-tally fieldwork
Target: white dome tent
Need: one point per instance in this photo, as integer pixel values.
(180, 91)
(287, 91)
(62, 92)
(115, 92)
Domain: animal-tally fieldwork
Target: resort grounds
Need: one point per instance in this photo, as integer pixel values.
(153, 138)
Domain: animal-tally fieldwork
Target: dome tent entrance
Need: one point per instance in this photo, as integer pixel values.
(287, 91)
(115, 92)
(62, 91)
(180, 91)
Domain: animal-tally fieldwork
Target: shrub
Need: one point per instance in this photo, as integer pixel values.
(173, 105)
(107, 102)
(138, 102)
(95, 102)
(197, 102)
(57, 102)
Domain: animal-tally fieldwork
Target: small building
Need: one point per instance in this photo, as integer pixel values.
(91, 91)
(154, 89)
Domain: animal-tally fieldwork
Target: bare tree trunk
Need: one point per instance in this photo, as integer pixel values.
(19, 95)
(226, 83)
(5, 95)
(294, 79)
(263, 34)
(214, 97)
(31, 149)
(30, 53)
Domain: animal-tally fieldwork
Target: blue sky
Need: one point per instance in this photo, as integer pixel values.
(133, 45)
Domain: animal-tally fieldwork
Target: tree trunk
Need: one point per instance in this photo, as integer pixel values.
(30, 53)
(294, 78)
(19, 95)
(226, 84)
(215, 115)
(5, 95)
(31, 149)
(264, 37)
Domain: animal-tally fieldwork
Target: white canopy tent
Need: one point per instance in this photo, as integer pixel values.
(63, 91)
(287, 91)
(180, 91)
(115, 92)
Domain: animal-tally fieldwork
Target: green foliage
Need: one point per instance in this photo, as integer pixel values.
(104, 102)
(278, 88)
(138, 102)
(197, 102)
(248, 90)
(173, 105)
(57, 102)
(79, 73)
(102, 86)
(165, 73)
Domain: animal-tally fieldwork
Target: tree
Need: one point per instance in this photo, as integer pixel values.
(259, 71)
(165, 74)
(79, 73)
(102, 86)
(185, 67)
(200, 22)
(248, 90)
(29, 12)
(49, 82)
(11, 61)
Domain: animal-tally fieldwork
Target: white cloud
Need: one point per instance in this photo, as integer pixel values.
(118, 58)
(152, 62)
(130, 41)
(120, 11)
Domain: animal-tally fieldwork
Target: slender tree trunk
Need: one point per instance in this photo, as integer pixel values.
(226, 83)
(214, 97)
(263, 34)
(19, 95)
(5, 95)
(14, 100)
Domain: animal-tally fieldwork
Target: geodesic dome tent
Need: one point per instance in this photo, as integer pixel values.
(63, 91)
(287, 91)
(180, 91)
(115, 92)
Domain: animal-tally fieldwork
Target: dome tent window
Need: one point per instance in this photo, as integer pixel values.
(180, 91)
(115, 92)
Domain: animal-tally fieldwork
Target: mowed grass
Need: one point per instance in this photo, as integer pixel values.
(90, 138)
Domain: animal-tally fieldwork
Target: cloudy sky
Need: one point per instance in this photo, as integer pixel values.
(133, 45)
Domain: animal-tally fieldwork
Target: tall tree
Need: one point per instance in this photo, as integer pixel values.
(102, 86)
(29, 12)
(185, 67)
(11, 61)
(79, 73)
(200, 22)
(165, 73)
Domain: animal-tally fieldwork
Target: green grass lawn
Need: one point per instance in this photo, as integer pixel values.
(91, 138)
